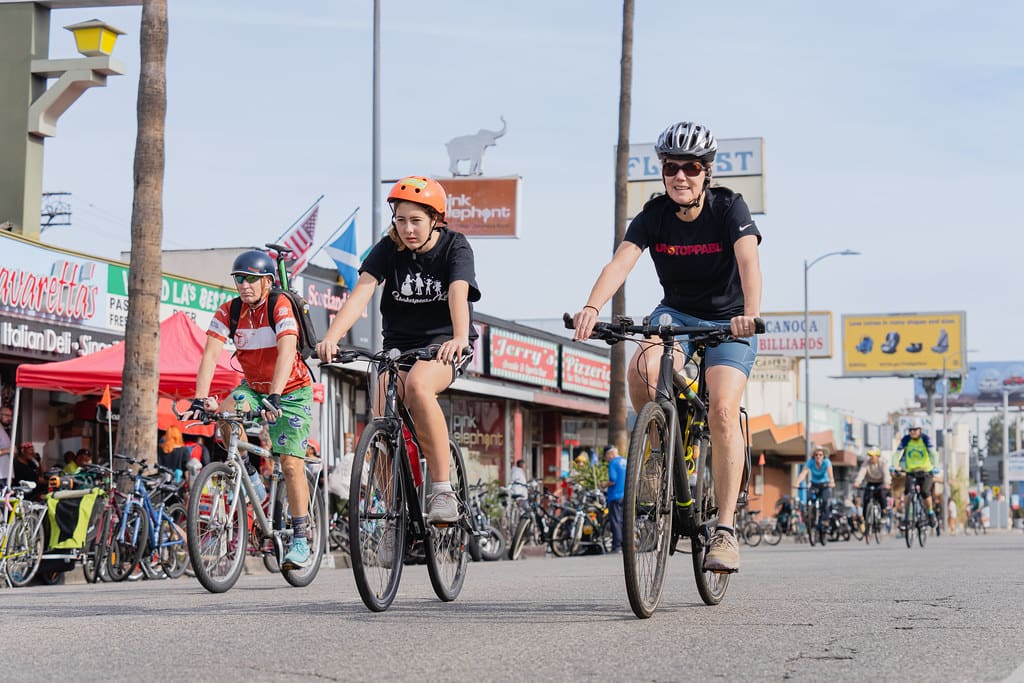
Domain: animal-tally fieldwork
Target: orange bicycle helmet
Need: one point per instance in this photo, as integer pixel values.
(420, 190)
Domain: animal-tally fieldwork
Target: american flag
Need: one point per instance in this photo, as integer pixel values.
(300, 240)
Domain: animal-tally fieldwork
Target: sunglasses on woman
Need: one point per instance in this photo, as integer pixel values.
(690, 169)
(251, 279)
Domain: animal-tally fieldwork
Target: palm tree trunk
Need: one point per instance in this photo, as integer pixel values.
(617, 392)
(142, 334)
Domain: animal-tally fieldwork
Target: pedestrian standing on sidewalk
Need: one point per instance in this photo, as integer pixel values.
(616, 491)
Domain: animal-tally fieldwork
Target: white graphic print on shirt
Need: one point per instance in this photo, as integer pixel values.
(420, 288)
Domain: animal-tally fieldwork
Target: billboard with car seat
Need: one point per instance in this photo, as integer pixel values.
(905, 344)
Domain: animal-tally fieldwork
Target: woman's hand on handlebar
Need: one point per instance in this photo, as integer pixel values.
(743, 326)
(451, 350)
(326, 349)
(583, 322)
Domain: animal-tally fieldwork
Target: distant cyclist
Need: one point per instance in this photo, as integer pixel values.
(877, 480)
(818, 472)
(916, 456)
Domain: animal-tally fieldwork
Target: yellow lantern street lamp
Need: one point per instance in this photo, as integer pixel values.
(95, 38)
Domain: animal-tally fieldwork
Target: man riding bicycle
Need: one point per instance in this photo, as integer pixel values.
(822, 479)
(276, 381)
(916, 457)
(876, 479)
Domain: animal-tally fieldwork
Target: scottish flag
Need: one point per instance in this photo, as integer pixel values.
(343, 251)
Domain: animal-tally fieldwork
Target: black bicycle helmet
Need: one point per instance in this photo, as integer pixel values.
(253, 262)
(687, 139)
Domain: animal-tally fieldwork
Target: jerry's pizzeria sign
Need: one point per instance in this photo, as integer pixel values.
(530, 360)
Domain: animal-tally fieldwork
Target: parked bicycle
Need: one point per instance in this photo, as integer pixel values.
(159, 529)
(21, 534)
(537, 524)
(226, 521)
(487, 543)
(582, 526)
(387, 496)
(670, 492)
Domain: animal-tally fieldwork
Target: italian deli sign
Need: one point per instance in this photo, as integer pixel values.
(523, 359)
(585, 373)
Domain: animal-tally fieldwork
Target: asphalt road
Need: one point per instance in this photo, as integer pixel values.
(949, 612)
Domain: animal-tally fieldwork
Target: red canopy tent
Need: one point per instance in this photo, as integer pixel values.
(181, 348)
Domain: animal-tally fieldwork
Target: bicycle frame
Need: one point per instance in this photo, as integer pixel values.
(156, 515)
(15, 505)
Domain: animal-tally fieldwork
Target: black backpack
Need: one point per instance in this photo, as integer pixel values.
(307, 331)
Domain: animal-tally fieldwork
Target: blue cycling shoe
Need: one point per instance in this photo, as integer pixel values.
(299, 556)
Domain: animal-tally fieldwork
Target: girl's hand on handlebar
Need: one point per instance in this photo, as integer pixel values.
(583, 322)
(451, 350)
(326, 349)
(743, 326)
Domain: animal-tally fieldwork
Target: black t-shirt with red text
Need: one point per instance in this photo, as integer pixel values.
(695, 261)
(414, 305)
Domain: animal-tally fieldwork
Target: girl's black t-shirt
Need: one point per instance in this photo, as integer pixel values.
(695, 262)
(414, 305)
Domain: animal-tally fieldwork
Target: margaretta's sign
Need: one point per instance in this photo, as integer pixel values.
(523, 359)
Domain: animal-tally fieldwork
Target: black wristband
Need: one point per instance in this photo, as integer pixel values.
(596, 310)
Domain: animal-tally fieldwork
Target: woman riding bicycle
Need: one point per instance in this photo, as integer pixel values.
(704, 247)
(429, 278)
(876, 479)
(818, 472)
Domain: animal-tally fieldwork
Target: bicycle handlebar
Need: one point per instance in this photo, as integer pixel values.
(623, 328)
(391, 356)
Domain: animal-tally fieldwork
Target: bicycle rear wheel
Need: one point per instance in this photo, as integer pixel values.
(217, 543)
(561, 536)
(172, 552)
(647, 511)
(519, 537)
(812, 525)
(316, 531)
(771, 533)
(752, 533)
(909, 520)
(447, 561)
(922, 525)
(710, 585)
(377, 518)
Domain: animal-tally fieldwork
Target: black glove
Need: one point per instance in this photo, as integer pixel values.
(197, 411)
(272, 407)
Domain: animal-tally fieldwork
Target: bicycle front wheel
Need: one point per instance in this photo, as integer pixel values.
(173, 553)
(752, 533)
(647, 511)
(217, 540)
(561, 536)
(377, 518)
(447, 561)
(710, 585)
(24, 552)
(129, 544)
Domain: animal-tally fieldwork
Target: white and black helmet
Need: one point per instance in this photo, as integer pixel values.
(687, 139)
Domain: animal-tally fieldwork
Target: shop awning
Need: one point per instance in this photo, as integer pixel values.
(181, 348)
(786, 440)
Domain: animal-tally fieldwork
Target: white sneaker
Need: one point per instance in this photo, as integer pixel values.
(444, 508)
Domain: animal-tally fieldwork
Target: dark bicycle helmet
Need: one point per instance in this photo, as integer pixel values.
(687, 139)
(253, 262)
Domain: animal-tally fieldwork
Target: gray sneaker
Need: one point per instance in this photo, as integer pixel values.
(444, 508)
(723, 554)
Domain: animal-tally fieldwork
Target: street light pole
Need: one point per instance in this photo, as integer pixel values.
(807, 350)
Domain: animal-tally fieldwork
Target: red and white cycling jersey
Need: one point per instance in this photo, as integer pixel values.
(256, 343)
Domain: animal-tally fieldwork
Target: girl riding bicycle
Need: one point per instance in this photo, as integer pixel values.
(429, 281)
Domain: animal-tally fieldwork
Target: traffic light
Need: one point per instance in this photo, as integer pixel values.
(956, 383)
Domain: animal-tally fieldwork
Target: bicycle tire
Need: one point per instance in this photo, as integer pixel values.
(647, 511)
(519, 536)
(752, 533)
(909, 519)
(129, 543)
(105, 538)
(492, 545)
(561, 536)
(316, 532)
(173, 551)
(473, 547)
(447, 561)
(771, 534)
(24, 551)
(922, 526)
(377, 518)
(217, 544)
(711, 586)
(91, 550)
(812, 525)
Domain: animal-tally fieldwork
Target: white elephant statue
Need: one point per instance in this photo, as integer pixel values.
(471, 148)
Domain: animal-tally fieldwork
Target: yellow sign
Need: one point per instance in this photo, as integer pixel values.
(904, 344)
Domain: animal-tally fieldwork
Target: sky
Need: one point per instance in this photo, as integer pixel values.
(889, 128)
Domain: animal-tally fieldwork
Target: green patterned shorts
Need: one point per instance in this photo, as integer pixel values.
(289, 435)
